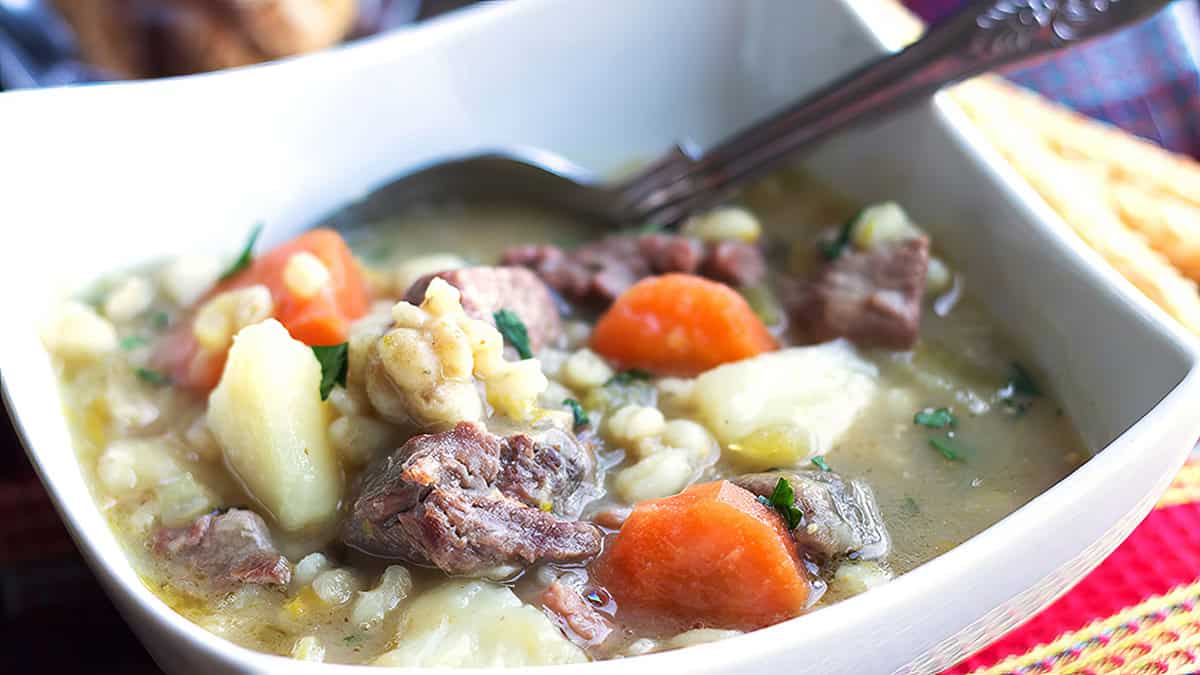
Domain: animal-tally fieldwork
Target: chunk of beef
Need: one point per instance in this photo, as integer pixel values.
(735, 263)
(665, 253)
(840, 516)
(579, 619)
(600, 271)
(229, 548)
(871, 297)
(486, 290)
(467, 501)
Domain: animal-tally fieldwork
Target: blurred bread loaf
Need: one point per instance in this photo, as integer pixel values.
(148, 38)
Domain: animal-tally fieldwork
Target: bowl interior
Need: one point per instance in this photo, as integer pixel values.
(113, 175)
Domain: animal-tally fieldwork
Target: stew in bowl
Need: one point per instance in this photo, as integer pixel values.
(478, 436)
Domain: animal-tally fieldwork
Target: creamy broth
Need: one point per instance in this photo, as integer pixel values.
(154, 463)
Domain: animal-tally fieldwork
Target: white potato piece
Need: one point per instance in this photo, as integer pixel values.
(881, 224)
(268, 417)
(724, 223)
(128, 299)
(187, 278)
(785, 407)
(477, 624)
(74, 332)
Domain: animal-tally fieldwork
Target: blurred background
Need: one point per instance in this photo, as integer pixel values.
(1144, 80)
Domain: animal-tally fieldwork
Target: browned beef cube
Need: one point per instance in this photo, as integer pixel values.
(486, 290)
(598, 272)
(467, 501)
(735, 263)
(230, 548)
(871, 297)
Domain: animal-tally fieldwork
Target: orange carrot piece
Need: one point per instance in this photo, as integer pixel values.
(712, 554)
(323, 319)
(680, 324)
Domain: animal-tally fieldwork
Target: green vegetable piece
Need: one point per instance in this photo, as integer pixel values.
(935, 418)
(132, 342)
(832, 249)
(763, 302)
(160, 320)
(820, 463)
(153, 377)
(334, 360)
(629, 376)
(513, 330)
(950, 448)
(783, 500)
(243, 260)
(581, 416)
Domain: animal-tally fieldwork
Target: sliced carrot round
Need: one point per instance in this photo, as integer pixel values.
(711, 554)
(680, 324)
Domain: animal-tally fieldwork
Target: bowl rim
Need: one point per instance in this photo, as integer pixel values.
(130, 594)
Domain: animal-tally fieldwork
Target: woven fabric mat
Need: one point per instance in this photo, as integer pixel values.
(1137, 613)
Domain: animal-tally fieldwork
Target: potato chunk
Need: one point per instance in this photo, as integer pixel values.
(784, 407)
(268, 417)
(477, 624)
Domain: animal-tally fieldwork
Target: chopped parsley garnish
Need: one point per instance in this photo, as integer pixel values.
(629, 376)
(910, 506)
(950, 448)
(783, 500)
(820, 463)
(351, 639)
(581, 416)
(160, 320)
(153, 377)
(247, 255)
(132, 342)
(935, 418)
(832, 248)
(513, 330)
(334, 360)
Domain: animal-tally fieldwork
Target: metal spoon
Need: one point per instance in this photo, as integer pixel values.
(986, 35)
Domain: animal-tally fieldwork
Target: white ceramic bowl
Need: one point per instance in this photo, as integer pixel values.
(97, 178)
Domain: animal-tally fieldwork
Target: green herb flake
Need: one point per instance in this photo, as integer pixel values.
(160, 320)
(783, 500)
(629, 377)
(152, 377)
(831, 249)
(581, 416)
(352, 639)
(132, 342)
(247, 255)
(334, 360)
(935, 418)
(513, 330)
(950, 448)
(911, 507)
(820, 463)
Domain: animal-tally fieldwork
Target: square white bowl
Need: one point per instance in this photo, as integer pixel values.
(98, 178)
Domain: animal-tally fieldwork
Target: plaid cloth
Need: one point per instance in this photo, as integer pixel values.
(1145, 80)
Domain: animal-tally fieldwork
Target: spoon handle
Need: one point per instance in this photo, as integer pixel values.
(985, 35)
